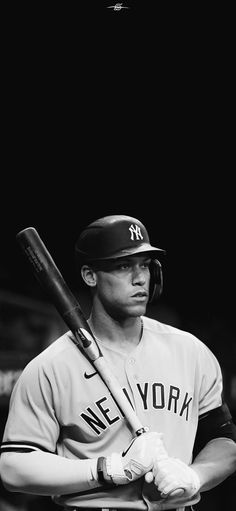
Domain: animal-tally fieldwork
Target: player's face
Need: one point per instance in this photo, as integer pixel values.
(123, 285)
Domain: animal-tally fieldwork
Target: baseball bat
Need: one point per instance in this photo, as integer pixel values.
(52, 281)
(50, 278)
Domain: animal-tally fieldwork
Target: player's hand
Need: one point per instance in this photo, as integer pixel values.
(171, 473)
(137, 459)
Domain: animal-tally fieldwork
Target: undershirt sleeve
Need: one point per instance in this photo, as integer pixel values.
(216, 423)
(215, 419)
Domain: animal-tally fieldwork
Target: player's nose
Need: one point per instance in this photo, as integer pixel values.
(138, 276)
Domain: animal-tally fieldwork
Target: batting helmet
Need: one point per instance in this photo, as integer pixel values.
(117, 236)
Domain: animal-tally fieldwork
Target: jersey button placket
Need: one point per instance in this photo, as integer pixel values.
(132, 364)
(131, 368)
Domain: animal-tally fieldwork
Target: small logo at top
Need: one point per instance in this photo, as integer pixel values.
(117, 7)
(135, 232)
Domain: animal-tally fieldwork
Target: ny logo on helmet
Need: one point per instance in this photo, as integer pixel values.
(135, 231)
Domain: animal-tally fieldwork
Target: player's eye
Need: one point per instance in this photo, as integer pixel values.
(146, 264)
(123, 266)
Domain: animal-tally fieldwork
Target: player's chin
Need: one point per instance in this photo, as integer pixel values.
(138, 309)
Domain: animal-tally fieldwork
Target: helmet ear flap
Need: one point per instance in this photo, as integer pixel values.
(156, 280)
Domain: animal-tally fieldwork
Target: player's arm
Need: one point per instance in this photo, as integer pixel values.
(215, 447)
(43, 473)
(215, 462)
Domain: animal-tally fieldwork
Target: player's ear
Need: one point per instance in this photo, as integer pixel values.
(88, 275)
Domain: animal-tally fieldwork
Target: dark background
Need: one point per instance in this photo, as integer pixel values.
(127, 112)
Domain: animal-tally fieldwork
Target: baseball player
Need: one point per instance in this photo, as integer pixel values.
(66, 437)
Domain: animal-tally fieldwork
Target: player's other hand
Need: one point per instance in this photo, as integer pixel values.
(171, 473)
(137, 459)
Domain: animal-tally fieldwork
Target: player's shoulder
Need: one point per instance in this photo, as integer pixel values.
(163, 328)
(171, 333)
(60, 349)
(59, 346)
(182, 340)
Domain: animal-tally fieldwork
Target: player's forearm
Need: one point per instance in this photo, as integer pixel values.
(46, 474)
(215, 462)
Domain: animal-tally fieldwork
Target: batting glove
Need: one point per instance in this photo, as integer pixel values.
(172, 473)
(136, 460)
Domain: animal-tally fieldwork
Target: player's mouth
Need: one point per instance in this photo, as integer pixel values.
(140, 295)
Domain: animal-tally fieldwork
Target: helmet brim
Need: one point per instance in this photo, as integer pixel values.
(145, 247)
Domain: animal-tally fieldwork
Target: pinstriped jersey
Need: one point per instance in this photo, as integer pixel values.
(60, 404)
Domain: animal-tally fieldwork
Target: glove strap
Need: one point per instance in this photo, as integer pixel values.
(115, 469)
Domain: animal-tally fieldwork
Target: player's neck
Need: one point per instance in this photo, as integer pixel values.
(119, 334)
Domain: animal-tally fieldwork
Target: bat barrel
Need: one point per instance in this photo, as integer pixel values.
(50, 278)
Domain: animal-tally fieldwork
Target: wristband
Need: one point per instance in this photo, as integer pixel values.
(103, 476)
